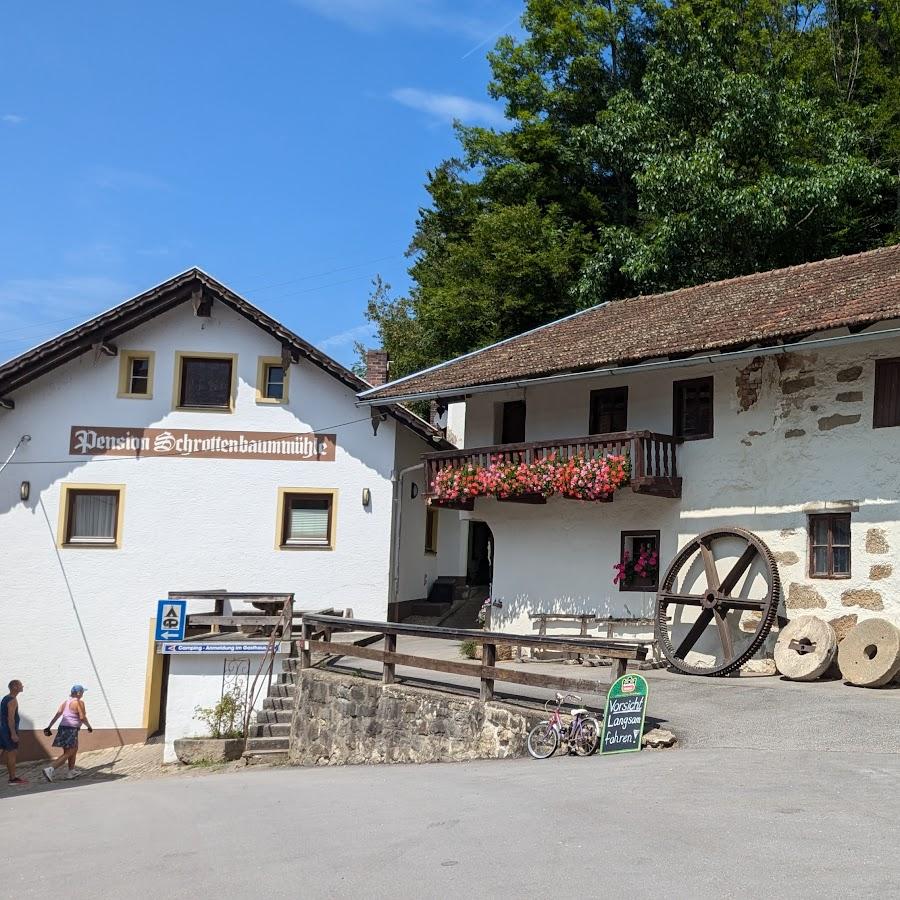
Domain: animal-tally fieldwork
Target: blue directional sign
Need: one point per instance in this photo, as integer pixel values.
(171, 617)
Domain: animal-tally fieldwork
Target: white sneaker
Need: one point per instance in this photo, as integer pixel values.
(73, 773)
(48, 773)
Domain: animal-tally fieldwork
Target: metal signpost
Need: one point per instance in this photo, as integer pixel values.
(623, 718)
(171, 618)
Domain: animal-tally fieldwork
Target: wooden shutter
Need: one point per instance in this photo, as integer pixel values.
(887, 393)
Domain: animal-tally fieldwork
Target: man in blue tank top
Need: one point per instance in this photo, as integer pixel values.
(9, 729)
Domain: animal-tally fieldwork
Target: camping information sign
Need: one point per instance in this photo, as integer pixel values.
(623, 719)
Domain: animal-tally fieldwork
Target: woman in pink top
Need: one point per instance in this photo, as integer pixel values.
(72, 715)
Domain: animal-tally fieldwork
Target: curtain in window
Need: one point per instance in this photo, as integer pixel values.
(308, 520)
(94, 517)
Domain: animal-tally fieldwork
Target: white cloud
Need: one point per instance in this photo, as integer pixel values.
(114, 179)
(463, 17)
(32, 310)
(348, 338)
(447, 107)
(12, 119)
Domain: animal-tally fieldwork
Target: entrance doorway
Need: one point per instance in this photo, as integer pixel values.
(480, 561)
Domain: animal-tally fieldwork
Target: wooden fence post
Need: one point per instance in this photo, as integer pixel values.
(488, 658)
(390, 646)
(306, 631)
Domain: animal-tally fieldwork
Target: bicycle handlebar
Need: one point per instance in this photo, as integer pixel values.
(560, 697)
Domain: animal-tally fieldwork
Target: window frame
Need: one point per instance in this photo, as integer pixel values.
(830, 575)
(432, 520)
(284, 493)
(263, 364)
(678, 407)
(180, 357)
(623, 541)
(126, 358)
(880, 366)
(595, 397)
(67, 496)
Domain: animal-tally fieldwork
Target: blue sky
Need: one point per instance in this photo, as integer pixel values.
(281, 145)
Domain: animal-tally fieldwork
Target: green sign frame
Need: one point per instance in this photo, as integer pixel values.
(630, 687)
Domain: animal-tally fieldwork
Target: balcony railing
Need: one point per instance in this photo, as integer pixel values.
(652, 457)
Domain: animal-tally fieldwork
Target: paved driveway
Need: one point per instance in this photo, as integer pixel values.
(690, 824)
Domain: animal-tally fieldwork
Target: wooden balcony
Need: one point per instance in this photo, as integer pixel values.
(652, 459)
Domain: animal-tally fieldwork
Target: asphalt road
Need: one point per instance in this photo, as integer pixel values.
(677, 824)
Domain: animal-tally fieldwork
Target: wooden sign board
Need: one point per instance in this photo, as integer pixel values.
(623, 718)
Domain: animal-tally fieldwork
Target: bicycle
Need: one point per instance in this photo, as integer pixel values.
(582, 735)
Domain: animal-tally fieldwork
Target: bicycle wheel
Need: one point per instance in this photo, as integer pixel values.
(543, 740)
(588, 738)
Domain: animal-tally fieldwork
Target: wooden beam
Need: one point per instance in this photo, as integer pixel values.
(104, 348)
(451, 667)
(202, 302)
(598, 646)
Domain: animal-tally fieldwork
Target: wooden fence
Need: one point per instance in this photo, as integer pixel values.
(317, 632)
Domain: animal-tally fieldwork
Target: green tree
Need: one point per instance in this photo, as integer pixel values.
(652, 146)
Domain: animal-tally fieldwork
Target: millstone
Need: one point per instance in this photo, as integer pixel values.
(805, 648)
(870, 654)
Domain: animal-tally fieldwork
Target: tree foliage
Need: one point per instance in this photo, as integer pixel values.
(651, 146)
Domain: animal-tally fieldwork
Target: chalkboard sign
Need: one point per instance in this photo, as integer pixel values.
(623, 718)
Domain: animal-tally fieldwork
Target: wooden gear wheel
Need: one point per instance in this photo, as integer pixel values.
(717, 602)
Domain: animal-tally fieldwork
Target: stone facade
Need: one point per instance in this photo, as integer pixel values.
(343, 720)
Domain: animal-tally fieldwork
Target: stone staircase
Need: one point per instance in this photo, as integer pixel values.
(269, 738)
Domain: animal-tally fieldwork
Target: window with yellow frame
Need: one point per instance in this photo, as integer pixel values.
(91, 515)
(271, 380)
(136, 374)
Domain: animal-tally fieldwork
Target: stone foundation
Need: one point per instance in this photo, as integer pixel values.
(343, 720)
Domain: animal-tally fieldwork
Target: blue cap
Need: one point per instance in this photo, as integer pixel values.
(78, 687)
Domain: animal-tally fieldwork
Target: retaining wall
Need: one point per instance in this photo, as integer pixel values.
(343, 720)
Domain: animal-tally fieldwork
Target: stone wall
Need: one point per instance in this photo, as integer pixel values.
(343, 720)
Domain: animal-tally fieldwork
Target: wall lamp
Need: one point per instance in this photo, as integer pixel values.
(366, 496)
(24, 491)
(413, 490)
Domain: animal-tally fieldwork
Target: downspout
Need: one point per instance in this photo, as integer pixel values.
(22, 440)
(397, 481)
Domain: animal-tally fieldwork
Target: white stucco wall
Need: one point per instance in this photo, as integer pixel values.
(197, 680)
(189, 524)
(418, 569)
(768, 465)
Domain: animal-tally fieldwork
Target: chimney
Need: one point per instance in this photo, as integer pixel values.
(376, 367)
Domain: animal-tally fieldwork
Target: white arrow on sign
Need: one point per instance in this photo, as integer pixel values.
(168, 635)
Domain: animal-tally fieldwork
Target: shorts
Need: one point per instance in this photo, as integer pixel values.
(66, 737)
(6, 742)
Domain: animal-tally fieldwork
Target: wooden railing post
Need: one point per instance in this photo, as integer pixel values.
(488, 658)
(390, 646)
(306, 631)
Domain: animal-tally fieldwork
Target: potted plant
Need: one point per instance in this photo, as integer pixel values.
(225, 724)
(640, 570)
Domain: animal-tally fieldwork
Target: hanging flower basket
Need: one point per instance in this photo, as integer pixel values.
(577, 478)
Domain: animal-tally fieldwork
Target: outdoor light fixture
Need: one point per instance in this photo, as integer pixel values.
(413, 490)
(366, 497)
(24, 490)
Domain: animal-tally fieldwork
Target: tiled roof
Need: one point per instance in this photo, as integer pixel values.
(189, 285)
(763, 308)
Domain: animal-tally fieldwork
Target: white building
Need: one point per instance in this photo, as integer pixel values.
(779, 395)
(184, 440)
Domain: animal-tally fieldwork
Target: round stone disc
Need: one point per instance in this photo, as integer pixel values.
(805, 648)
(870, 654)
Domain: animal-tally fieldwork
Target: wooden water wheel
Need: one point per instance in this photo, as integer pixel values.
(717, 602)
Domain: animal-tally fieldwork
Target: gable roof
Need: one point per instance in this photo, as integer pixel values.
(782, 305)
(193, 285)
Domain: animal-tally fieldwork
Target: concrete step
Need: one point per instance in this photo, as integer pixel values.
(282, 690)
(264, 729)
(267, 743)
(278, 703)
(266, 757)
(274, 716)
(287, 678)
